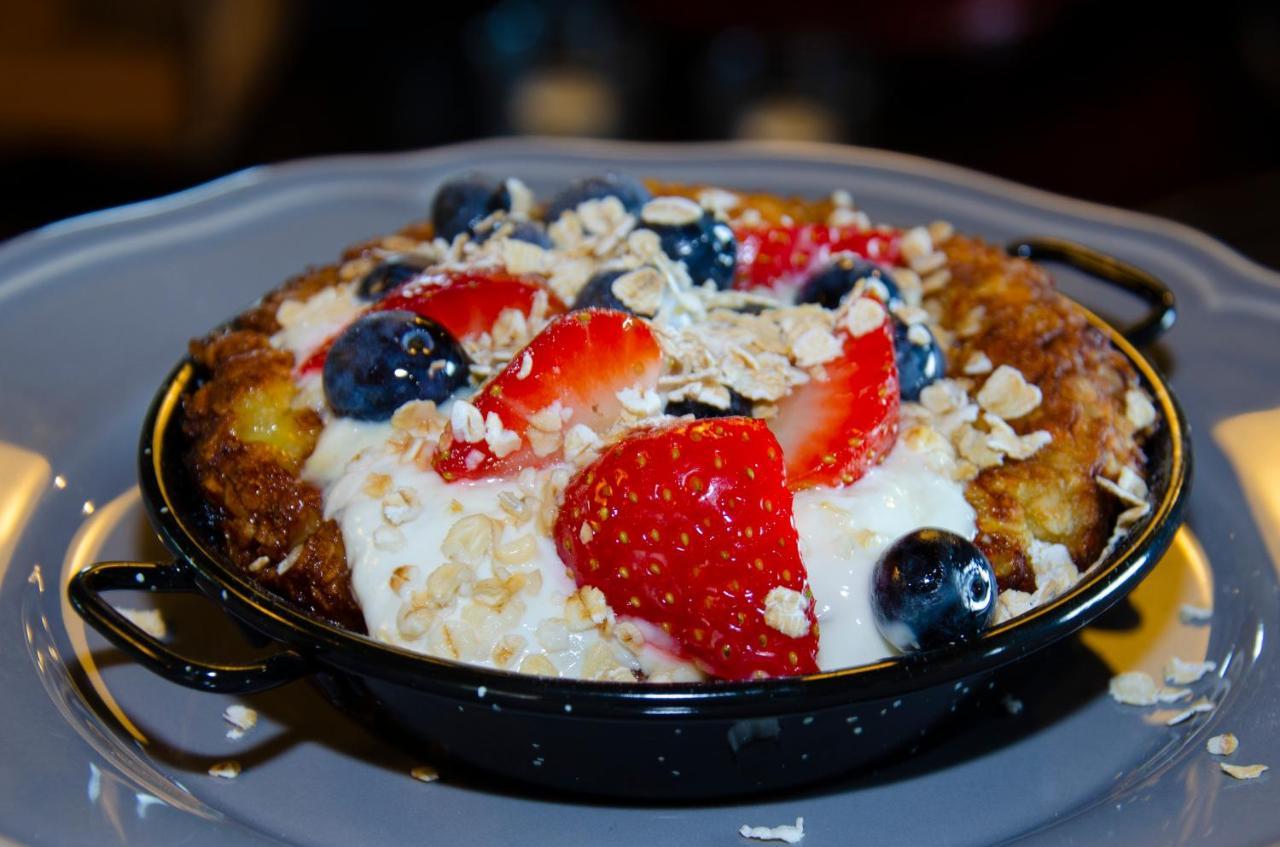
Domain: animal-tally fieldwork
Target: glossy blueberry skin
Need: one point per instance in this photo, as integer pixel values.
(462, 203)
(388, 275)
(386, 359)
(931, 588)
(707, 247)
(598, 293)
(739, 406)
(918, 364)
(627, 189)
(531, 232)
(829, 286)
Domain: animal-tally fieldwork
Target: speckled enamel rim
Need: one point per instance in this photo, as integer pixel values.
(326, 646)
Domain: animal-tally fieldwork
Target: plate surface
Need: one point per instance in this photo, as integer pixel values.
(94, 750)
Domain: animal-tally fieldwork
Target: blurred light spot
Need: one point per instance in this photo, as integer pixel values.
(788, 119)
(564, 100)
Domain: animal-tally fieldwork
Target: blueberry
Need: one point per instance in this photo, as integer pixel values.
(705, 245)
(533, 233)
(739, 406)
(528, 231)
(918, 363)
(462, 203)
(388, 275)
(386, 359)
(628, 190)
(598, 293)
(930, 588)
(829, 286)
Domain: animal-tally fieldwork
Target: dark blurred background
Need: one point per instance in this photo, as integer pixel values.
(1169, 108)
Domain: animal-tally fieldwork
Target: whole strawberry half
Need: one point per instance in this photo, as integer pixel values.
(690, 527)
(769, 256)
(466, 303)
(836, 428)
(576, 365)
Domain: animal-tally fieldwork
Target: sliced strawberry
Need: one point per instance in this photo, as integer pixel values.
(689, 527)
(769, 256)
(466, 303)
(834, 430)
(315, 362)
(581, 361)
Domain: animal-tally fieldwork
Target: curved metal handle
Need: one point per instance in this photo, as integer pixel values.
(1163, 308)
(85, 592)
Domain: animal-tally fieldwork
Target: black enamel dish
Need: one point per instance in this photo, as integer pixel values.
(636, 740)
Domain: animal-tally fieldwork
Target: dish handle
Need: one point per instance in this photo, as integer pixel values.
(85, 592)
(1162, 311)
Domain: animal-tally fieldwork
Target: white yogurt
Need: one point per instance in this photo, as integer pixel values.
(348, 454)
(844, 530)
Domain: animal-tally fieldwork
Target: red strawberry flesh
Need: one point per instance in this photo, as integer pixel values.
(690, 527)
(770, 256)
(470, 303)
(466, 303)
(834, 430)
(581, 361)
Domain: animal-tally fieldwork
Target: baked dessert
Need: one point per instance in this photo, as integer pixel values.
(666, 432)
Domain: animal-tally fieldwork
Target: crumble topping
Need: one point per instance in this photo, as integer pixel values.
(1006, 393)
(1243, 771)
(784, 610)
(863, 316)
(640, 290)
(150, 621)
(1199, 706)
(466, 422)
(1139, 409)
(788, 833)
(718, 202)
(1168, 694)
(424, 773)
(1133, 688)
(522, 199)
(978, 439)
(977, 364)
(241, 718)
(1180, 672)
(225, 770)
(670, 211)
(1222, 745)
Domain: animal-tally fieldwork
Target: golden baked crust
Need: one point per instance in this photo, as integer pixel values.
(248, 445)
(1021, 320)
